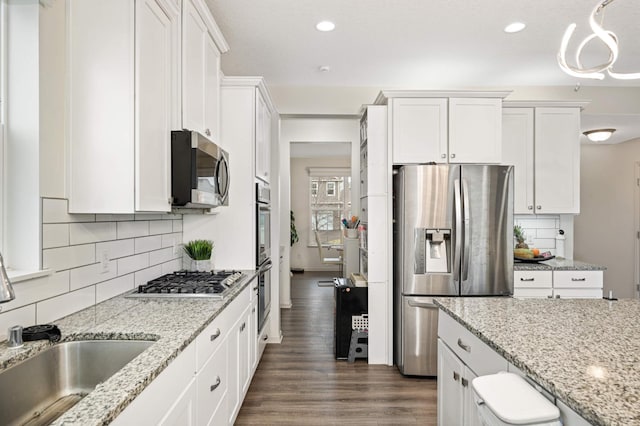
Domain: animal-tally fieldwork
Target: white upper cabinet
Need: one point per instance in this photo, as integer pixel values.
(419, 130)
(445, 127)
(263, 138)
(557, 159)
(200, 74)
(475, 130)
(517, 150)
(121, 92)
(543, 143)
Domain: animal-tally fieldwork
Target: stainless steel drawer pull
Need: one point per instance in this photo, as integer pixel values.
(253, 309)
(464, 382)
(527, 279)
(456, 376)
(243, 326)
(215, 335)
(578, 279)
(215, 385)
(463, 346)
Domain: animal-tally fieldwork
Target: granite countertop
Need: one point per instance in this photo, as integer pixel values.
(585, 352)
(172, 323)
(557, 265)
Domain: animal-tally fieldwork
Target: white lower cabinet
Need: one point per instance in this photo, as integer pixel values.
(182, 413)
(575, 284)
(460, 356)
(207, 382)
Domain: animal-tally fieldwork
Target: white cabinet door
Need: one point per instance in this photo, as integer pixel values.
(475, 130)
(517, 150)
(263, 138)
(450, 390)
(238, 364)
(154, 65)
(182, 413)
(557, 160)
(469, 409)
(211, 90)
(248, 337)
(194, 39)
(419, 130)
(254, 347)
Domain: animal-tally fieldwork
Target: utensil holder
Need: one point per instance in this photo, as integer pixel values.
(351, 233)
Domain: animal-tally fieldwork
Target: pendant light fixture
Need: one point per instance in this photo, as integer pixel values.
(609, 39)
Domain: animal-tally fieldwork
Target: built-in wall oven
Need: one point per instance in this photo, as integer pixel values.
(263, 251)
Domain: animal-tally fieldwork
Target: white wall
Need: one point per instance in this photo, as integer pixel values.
(302, 255)
(311, 130)
(605, 231)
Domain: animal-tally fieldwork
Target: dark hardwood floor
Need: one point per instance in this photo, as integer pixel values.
(300, 383)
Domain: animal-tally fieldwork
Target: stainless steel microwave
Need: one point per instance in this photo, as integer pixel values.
(199, 171)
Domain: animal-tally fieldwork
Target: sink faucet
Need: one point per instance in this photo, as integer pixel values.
(6, 289)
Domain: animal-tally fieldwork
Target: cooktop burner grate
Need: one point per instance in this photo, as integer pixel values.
(189, 284)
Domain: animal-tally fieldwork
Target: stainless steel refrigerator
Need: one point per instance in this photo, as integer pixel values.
(453, 236)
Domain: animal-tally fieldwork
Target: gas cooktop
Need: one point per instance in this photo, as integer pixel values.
(214, 284)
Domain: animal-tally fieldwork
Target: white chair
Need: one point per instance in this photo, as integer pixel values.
(327, 260)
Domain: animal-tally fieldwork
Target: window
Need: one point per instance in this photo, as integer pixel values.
(329, 203)
(331, 189)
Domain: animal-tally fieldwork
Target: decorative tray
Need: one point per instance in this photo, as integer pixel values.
(533, 259)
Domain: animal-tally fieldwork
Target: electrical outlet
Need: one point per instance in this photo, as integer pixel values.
(104, 261)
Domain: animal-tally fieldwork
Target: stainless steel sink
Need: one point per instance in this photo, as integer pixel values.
(42, 388)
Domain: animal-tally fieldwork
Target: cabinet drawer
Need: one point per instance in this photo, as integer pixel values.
(209, 340)
(532, 279)
(577, 279)
(527, 293)
(477, 355)
(577, 293)
(212, 382)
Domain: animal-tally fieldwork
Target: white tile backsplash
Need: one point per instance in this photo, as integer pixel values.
(62, 258)
(132, 229)
(540, 231)
(55, 235)
(52, 309)
(138, 247)
(112, 288)
(146, 244)
(131, 264)
(91, 274)
(116, 249)
(83, 233)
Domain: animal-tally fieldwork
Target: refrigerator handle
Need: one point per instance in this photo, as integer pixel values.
(467, 232)
(422, 305)
(458, 210)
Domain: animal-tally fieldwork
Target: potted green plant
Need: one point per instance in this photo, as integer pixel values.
(199, 252)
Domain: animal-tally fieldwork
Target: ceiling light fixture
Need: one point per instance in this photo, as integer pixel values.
(514, 27)
(599, 135)
(325, 26)
(609, 39)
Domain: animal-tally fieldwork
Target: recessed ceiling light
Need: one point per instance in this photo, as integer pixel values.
(514, 27)
(599, 135)
(325, 26)
(324, 68)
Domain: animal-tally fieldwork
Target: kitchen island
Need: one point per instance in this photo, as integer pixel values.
(173, 324)
(586, 353)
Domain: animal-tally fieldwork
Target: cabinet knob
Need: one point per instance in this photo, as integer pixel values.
(453, 156)
(243, 326)
(207, 132)
(456, 376)
(539, 207)
(530, 207)
(443, 155)
(464, 382)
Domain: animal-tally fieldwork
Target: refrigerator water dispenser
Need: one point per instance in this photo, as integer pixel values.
(433, 249)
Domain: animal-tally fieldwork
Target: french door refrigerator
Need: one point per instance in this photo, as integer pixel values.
(453, 236)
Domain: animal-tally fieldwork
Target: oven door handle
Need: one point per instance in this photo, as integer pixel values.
(265, 267)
